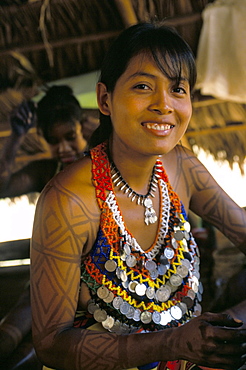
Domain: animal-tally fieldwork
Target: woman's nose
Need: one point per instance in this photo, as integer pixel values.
(63, 146)
(161, 103)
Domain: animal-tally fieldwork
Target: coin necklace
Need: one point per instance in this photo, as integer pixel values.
(150, 216)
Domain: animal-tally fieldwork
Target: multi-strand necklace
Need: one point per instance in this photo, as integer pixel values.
(150, 216)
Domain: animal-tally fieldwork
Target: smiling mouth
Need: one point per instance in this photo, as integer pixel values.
(159, 127)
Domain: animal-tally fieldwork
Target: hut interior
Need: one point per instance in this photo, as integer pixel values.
(46, 42)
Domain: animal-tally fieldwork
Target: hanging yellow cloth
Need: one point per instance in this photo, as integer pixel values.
(221, 55)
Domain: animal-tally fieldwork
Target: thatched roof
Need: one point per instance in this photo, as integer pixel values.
(65, 38)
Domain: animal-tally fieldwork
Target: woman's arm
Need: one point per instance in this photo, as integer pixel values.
(207, 199)
(65, 227)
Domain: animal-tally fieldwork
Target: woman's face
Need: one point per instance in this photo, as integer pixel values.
(149, 112)
(66, 141)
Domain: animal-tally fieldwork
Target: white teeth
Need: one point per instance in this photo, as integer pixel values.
(155, 126)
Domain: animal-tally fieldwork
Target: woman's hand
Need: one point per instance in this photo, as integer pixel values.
(23, 118)
(212, 340)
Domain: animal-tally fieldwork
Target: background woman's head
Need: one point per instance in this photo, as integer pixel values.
(59, 117)
(171, 53)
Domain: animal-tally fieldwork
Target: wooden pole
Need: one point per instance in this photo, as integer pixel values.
(127, 12)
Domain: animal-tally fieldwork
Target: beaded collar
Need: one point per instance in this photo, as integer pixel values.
(132, 289)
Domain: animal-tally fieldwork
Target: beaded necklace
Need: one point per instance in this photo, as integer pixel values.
(143, 200)
(133, 289)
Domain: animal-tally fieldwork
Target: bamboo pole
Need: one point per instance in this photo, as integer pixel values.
(127, 12)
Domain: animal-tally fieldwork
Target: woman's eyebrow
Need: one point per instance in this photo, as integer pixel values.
(141, 74)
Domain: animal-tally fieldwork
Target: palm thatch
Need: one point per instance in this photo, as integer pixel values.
(63, 38)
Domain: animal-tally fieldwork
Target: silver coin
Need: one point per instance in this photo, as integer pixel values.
(174, 243)
(148, 203)
(110, 265)
(137, 314)
(100, 315)
(116, 327)
(156, 317)
(109, 298)
(117, 302)
(92, 307)
(176, 312)
(162, 269)
(172, 287)
(124, 308)
(198, 309)
(197, 260)
(196, 274)
(196, 266)
(188, 301)
(165, 318)
(130, 313)
(182, 271)
(123, 275)
(131, 260)
(186, 263)
(183, 307)
(150, 292)
(186, 226)
(200, 288)
(127, 249)
(146, 317)
(154, 274)
(191, 294)
(125, 284)
(194, 287)
(150, 265)
(140, 289)
(199, 296)
(176, 280)
(163, 260)
(118, 270)
(123, 255)
(178, 235)
(163, 293)
(168, 253)
(102, 292)
(108, 323)
(132, 285)
(195, 280)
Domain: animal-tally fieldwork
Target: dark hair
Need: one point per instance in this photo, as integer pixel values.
(58, 105)
(170, 52)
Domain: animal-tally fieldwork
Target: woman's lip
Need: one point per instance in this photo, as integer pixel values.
(69, 159)
(158, 127)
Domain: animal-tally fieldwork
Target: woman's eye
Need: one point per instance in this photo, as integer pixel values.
(71, 137)
(142, 87)
(179, 90)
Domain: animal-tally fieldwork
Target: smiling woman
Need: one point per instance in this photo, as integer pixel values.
(115, 268)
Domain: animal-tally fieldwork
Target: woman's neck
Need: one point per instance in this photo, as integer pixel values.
(135, 169)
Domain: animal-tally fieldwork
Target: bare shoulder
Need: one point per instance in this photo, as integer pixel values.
(180, 165)
(68, 206)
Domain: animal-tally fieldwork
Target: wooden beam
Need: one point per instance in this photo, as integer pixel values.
(127, 12)
(182, 20)
(216, 130)
(61, 43)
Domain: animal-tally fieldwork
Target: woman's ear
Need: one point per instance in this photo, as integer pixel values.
(103, 99)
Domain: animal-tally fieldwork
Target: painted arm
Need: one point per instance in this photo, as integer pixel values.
(65, 227)
(212, 203)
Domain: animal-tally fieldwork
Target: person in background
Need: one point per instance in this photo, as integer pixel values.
(114, 266)
(59, 118)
